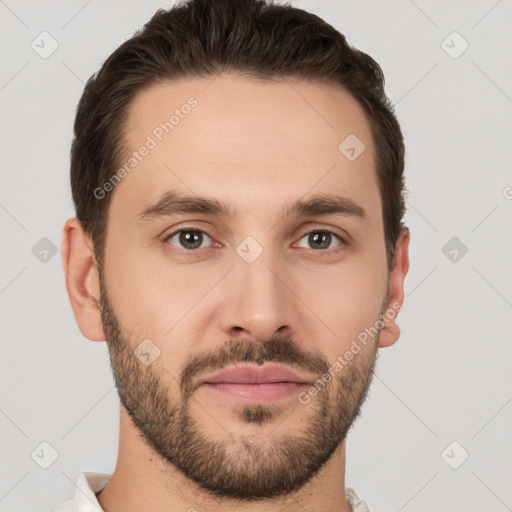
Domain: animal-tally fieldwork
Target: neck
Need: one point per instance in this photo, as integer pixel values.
(142, 480)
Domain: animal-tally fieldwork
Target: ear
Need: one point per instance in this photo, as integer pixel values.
(390, 333)
(82, 279)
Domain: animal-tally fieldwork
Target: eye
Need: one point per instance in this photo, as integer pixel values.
(321, 238)
(189, 238)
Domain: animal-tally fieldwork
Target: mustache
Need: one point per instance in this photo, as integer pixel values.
(276, 350)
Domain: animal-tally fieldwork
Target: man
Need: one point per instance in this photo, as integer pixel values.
(237, 173)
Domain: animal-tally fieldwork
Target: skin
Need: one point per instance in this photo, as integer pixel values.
(256, 146)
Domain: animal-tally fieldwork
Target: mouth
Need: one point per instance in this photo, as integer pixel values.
(253, 384)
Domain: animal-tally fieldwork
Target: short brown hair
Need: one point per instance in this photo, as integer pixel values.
(202, 38)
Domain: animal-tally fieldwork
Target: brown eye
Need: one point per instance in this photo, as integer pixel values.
(188, 239)
(321, 239)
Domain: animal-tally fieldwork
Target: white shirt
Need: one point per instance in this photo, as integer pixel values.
(88, 484)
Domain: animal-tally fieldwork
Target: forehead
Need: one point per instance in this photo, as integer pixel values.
(251, 142)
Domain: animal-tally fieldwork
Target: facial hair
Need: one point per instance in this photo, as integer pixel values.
(237, 466)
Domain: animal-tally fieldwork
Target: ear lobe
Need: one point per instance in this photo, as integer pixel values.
(82, 279)
(390, 333)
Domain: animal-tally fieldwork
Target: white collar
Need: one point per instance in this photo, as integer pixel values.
(87, 485)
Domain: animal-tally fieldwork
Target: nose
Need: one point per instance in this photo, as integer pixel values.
(258, 302)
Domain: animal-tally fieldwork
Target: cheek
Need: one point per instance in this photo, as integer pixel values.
(347, 300)
(149, 294)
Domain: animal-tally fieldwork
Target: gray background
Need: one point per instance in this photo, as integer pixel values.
(447, 379)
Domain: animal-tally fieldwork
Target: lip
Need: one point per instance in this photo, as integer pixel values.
(255, 385)
(250, 374)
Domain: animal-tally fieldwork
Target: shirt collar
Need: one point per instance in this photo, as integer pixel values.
(87, 485)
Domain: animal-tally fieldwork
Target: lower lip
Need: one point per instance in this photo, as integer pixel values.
(257, 393)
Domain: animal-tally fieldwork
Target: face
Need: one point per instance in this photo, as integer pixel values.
(189, 288)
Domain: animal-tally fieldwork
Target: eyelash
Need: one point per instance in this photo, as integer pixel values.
(342, 244)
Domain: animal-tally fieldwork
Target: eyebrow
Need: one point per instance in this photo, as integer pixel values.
(173, 202)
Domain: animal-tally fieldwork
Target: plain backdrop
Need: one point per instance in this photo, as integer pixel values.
(441, 394)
